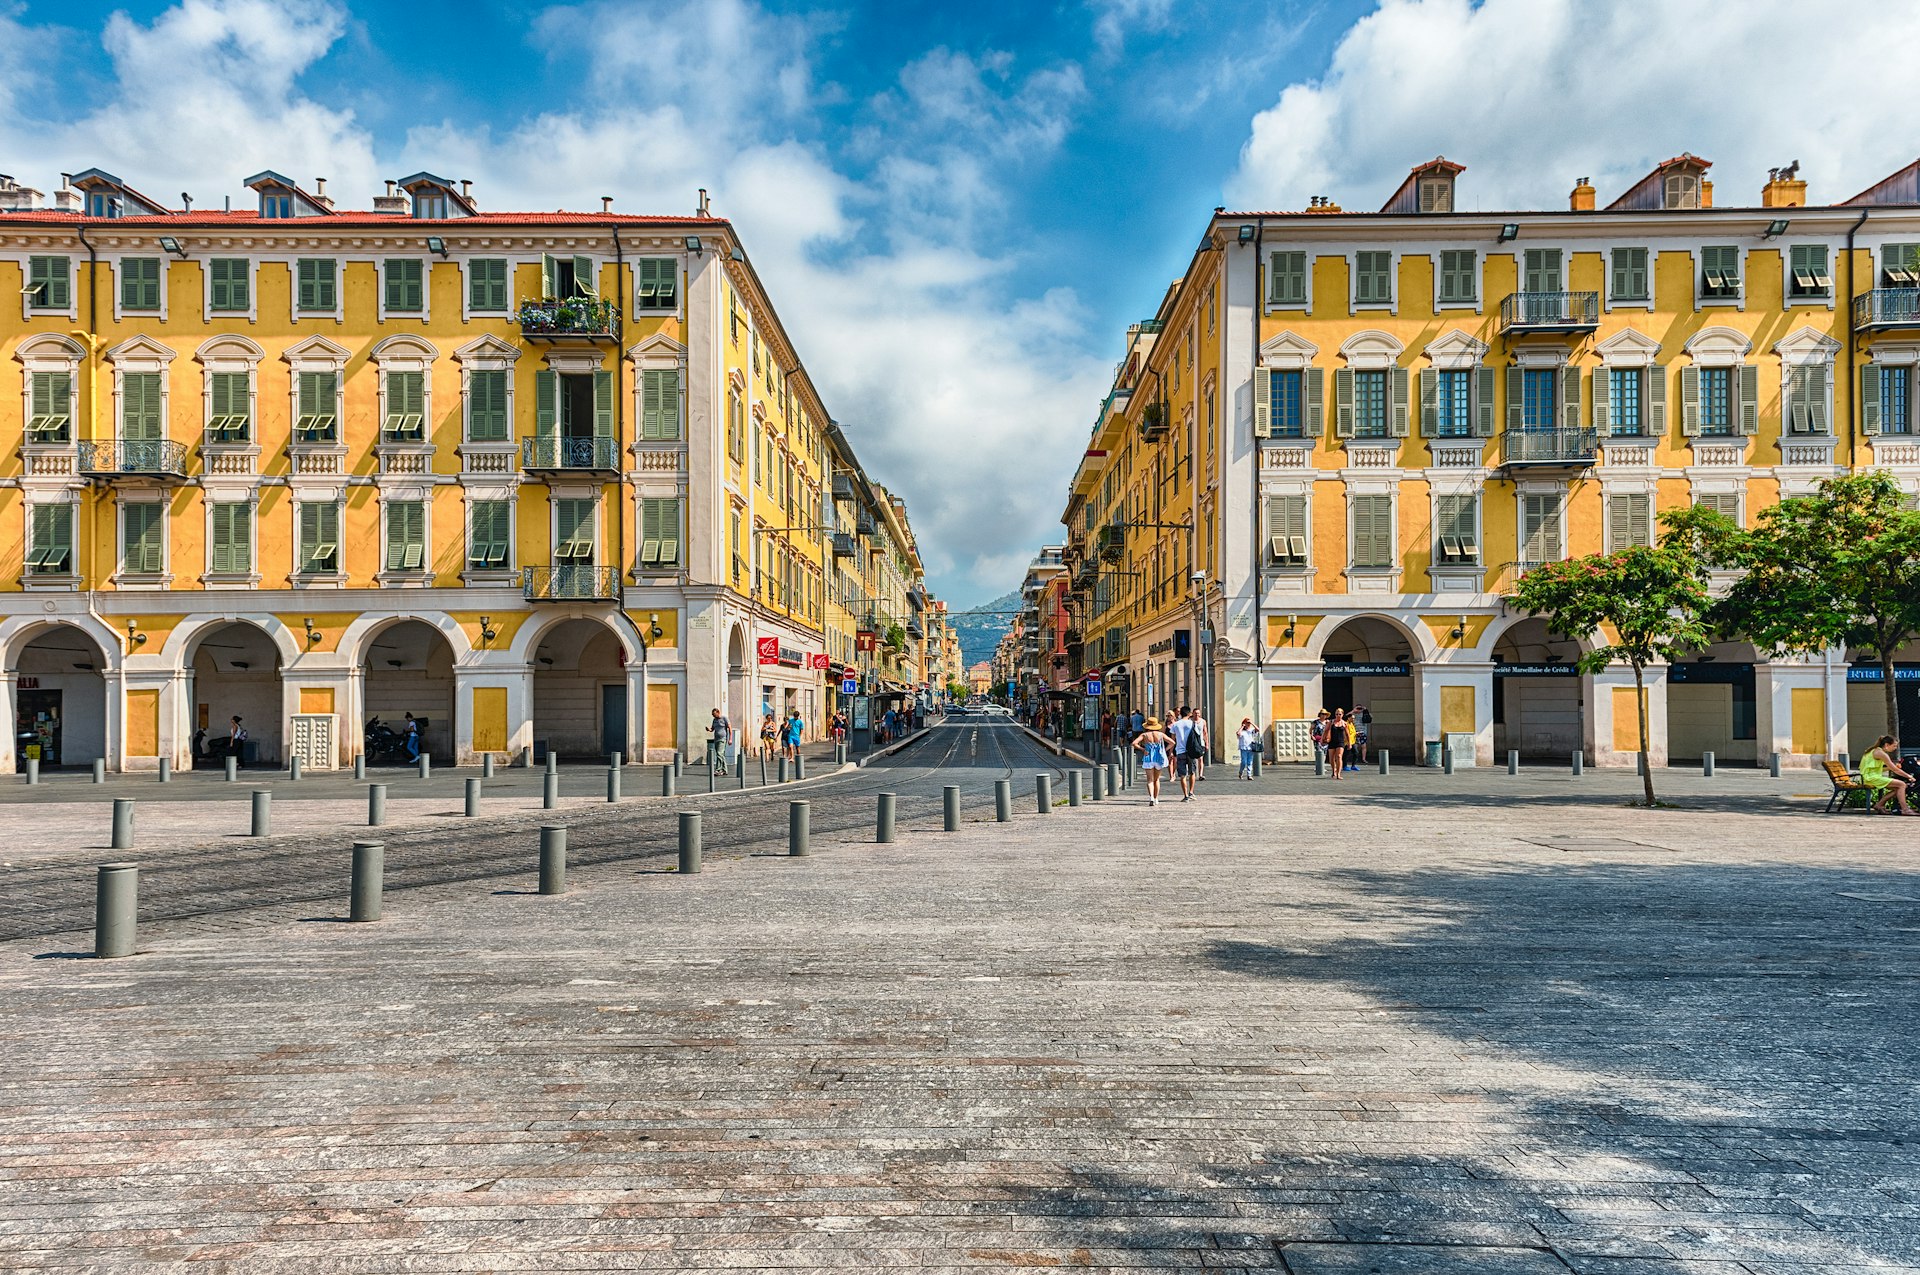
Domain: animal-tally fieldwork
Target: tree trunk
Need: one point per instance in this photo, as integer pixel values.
(1886, 683)
(1640, 707)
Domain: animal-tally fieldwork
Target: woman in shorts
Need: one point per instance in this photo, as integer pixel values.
(1155, 747)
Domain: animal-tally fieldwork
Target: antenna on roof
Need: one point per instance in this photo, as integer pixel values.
(186, 202)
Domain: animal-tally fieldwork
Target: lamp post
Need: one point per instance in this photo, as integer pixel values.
(648, 636)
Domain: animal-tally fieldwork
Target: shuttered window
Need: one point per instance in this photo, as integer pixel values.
(487, 285)
(1710, 391)
(229, 407)
(406, 535)
(1284, 400)
(1626, 389)
(489, 534)
(1807, 274)
(1456, 533)
(1372, 531)
(1726, 504)
(140, 284)
(656, 283)
(318, 550)
(1807, 399)
(142, 538)
(231, 552)
(406, 417)
(1629, 520)
(1459, 276)
(140, 407)
(403, 285)
(1373, 278)
(1543, 270)
(573, 530)
(660, 403)
(1899, 264)
(229, 285)
(1629, 274)
(318, 285)
(1370, 404)
(1287, 530)
(487, 406)
(659, 532)
(1896, 399)
(1539, 529)
(316, 418)
(49, 283)
(50, 407)
(1452, 410)
(50, 540)
(1287, 279)
(1720, 273)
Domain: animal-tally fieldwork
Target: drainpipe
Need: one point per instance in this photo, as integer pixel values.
(1853, 373)
(1259, 582)
(637, 713)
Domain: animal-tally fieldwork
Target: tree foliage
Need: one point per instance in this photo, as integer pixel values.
(1637, 606)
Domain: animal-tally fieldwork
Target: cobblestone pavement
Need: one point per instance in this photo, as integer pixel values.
(1288, 1027)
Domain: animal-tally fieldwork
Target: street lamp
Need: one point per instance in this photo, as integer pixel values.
(648, 636)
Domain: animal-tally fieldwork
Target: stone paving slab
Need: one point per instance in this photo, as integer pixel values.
(1283, 1028)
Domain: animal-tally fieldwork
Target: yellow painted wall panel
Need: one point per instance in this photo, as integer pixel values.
(490, 719)
(1626, 721)
(663, 715)
(1808, 711)
(1289, 703)
(143, 723)
(316, 699)
(1457, 710)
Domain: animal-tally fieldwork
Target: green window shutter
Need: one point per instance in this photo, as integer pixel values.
(1429, 396)
(1262, 402)
(140, 283)
(50, 280)
(1287, 279)
(1653, 385)
(231, 416)
(232, 550)
(51, 532)
(1870, 399)
(140, 406)
(1543, 270)
(1600, 391)
(656, 283)
(487, 406)
(142, 546)
(660, 403)
(1747, 386)
(1373, 278)
(1457, 274)
(403, 286)
(603, 404)
(1629, 274)
(546, 403)
(585, 283)
(574, 530)
(1516, 391)
(311, 533)
(1570, 397)
(1343, 402)
(1690, 401)
(406, 404)
(1483, 387)
(1316, 399)
(406, 535)
(1397, 404)
(1816, 398)
(487, 542)
(487, 284)
(229, 283)
(50, 409)
(318, 285)
(549, 275)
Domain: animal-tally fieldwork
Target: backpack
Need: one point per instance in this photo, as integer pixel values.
(1196, 743)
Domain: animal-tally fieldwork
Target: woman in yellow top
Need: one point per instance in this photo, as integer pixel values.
(1880, 770)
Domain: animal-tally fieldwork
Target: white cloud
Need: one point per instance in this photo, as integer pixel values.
(1532, 94)
(1115, 20)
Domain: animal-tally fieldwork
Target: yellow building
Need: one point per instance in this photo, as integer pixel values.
(1343, 436)
(543, 480)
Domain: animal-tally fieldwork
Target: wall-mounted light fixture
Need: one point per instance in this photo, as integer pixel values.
(1246, 234)
(436, 245)
(134, 636)
(1293, 623)
(693, 244)
(169, 244)
(1775, 228)
(1458, 631)
(486, 630)
(313, 634)
(1510, 232)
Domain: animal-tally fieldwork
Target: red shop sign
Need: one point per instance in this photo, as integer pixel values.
(769, 649)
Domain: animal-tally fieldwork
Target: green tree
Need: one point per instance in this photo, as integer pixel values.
(1839, 567)
(1644, 604)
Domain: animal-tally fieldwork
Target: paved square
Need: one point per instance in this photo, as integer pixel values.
(1284, 1028)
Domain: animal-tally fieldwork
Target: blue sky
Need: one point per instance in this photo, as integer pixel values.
(958, 207)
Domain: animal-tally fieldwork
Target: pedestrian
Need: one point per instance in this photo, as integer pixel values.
(1249, 741)
(889, 724)
(1318, 731)
(237, 742)
(1185, 735)
(767, 736)
(1135, 724)
(795, 727)
(1205, 731)
(1880, 770)
(722, 731)
(1106, 731)
(1339, 734)
(412, 732)
(1362, 725)
(1152, 744)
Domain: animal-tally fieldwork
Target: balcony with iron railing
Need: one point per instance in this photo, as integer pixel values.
(1522, 313)
(158, 458)
(569, 582)
(569, 319)
(570, 455)
(1883, 308)
(1550, 448)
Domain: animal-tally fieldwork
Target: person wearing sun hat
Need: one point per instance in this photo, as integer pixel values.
(1154, 746)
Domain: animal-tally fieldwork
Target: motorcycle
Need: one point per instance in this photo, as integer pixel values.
(385, 745)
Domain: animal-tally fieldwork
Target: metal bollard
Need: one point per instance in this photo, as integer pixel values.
(99, 770)
(783, 768)
(549, 791)
(616, 761)
(1706, 765)
(166, 770)
(740, 770)
(33, 770)
(689, 839)
(359, 767)
(1098, 791)
(613, 783)
(123, 823)
(473, 798)
(799, 828)
(486, 766)
(1382, 757)
(666, 781)
(376, 805)
(883, 823)
(1257, 754)
(369, 864)
(553, 762)
(1002, 800)
(1773, 764)
(262, 825)
(713, 773)
(425, 767)
(676, 763)
(1113, 780)
(293, 767)
(949, 809)
(1446, 761)
(553, 859)
(763, 770)
(1319, 762)
(524, 758)
(1043, 793)
(1073, 788)
(1579, 762)
(116, 909)
(1513, 761)
(799, 767)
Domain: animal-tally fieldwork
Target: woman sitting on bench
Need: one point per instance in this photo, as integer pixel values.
(1880, 770)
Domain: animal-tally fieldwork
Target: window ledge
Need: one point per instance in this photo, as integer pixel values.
(49, 583)
(230, 580)
(404, 579)
(1373, 579)
(317, 580)
(492, 577)
(142, 581)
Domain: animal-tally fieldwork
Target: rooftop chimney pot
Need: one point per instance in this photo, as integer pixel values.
(1582, 198)
(606, 203)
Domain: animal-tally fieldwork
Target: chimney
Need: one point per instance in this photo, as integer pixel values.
(1322, 204)
(320, 193)
(466, 192)
(393, 201)
(17, 198)
(1706, 193)
(1582, 198)
(1784, 188)
(66, 199)
(606, 204)
(703, 203)
(186, 202)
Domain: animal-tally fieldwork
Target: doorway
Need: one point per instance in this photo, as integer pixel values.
(613, 717)
(37, 728)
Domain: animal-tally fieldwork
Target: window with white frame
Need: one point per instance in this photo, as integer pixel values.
(406, 536)
(230, 538)
(656, 283)
(1886, 398)
(1726, 504)
(140, 285)
(317, 551)
(403, 286)
(316, 286)
(659, 533)
(1720, 391)
(1372, 278)
(573, 531)
(1456, 529)
(1628, 277)
(1629, 520)
(229, 285)
(1807, 276)
(229, 407)
(490, 535)
(1287, 529)
(1371, 537)
(50, 539)
(1459, 276)
(49, 407)
(488, 290)
(143, 538)
(1540, 538)
(1720, 272)
(316, 407)
(49, 283)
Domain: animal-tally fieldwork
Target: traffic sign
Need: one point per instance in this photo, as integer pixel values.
(1093, 686)
(849, 686)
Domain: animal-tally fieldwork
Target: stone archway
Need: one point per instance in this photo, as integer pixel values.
(236, 670)
(1539, 697)
(407, 667)
(60, 699)
(580, 690)
(1389, 654)
(739, 685)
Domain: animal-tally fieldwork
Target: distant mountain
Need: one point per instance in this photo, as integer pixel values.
(981, 628)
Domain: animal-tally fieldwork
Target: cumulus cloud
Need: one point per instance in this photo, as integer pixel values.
(1532, 94)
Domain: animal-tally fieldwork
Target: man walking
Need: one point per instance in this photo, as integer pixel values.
(1184, 732)
(722, 731)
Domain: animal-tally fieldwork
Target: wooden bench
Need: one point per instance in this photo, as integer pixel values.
(1848, 790)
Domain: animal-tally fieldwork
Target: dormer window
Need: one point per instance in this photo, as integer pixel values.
(276, 205)
(430, 206)
(1436, 194)
(100, 204)
(1683, 190)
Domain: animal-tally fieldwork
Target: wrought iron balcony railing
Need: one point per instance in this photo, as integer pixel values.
(569, 582)
(1576, 447)
(1549, 312)
(1886, 308)
(157, 458)
(578, 318)
(570, 453)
